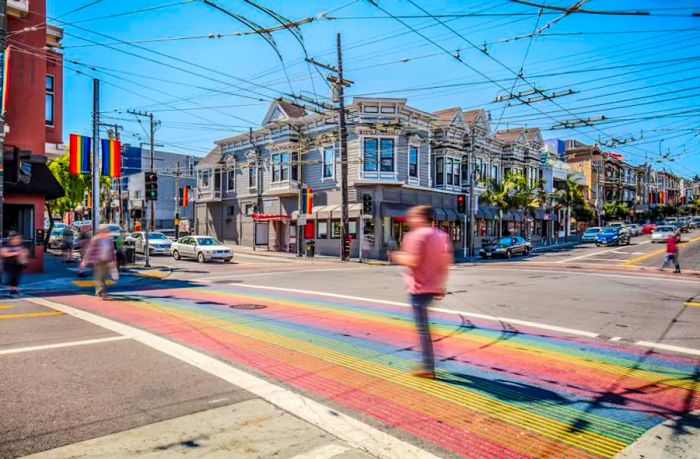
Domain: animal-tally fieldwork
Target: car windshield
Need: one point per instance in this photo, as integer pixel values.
(505, 241)
(56, 232)
(207, 241)
(592, 230)
(156, 236)
(611, 229)
(665, 229)
(616, 225)
(113, 228)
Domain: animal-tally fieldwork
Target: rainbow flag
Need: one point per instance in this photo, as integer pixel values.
(5, 80)
(307, 199)
(185, 196)
(79, 158)
(111, 158)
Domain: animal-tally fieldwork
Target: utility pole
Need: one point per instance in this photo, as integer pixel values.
(177, 201)
(95, 156)
(150, 217)
(3, 48)
(339, 84)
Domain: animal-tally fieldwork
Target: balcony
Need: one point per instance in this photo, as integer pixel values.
(207, 195)
(18, 8)
(283, 188)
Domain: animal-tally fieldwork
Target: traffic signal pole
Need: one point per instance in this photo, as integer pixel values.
(95, 155)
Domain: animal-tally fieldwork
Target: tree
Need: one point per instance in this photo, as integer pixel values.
(528, 197)
(569, 196)
(74, 187)
(501, 194)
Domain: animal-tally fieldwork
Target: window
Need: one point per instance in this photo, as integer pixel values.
(449, 171)
(384, 161)
(439, 171)
(204, 178)
(387, 155)
(453, 171)
(280, 167)
(252, 176)
(370, 155)
(335, 234)
(352, 229)
(50, 93)
(412, 161)
(494, 172)
(231, 182)
(322, 230)
(328, 162)
(295, 166)
(231, 211)
(249, 209)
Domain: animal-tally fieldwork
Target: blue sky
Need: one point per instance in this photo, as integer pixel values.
(641, 72)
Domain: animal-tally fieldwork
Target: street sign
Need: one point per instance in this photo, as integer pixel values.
(301, 220)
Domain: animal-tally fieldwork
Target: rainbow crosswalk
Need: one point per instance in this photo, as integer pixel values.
(500, 392)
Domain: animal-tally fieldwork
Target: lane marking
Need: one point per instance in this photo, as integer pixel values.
(234, 276)
(90, 283)
(668, 347)
(566, 260)
(571, 331)
(346, 428)
(599, 274)
(635, 260)
(60, 345)
(693, 303)
(31, 314)
(616, 338)
(6, 306)
(324, 452)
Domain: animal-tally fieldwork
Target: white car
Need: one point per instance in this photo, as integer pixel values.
(202, 248)
(663, 232)
(158, 243)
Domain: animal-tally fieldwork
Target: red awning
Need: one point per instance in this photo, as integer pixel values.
(268, 217)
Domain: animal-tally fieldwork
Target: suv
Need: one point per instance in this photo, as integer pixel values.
(613, 235)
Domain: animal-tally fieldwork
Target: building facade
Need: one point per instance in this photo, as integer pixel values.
(33, 123)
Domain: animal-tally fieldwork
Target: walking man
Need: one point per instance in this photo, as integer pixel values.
(427, 253)
(101, 255)
(672, 254)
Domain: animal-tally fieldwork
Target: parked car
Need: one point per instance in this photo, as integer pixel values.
(663, 232)
(158, 243)
(616, 224)
(635, 229)
(202, 248)
(114, 230)
(613, 235)
(56, 238)
(647, 228)
(590, 234)
(505, 247)
(670, 220)
(695, 222)
(683, 225)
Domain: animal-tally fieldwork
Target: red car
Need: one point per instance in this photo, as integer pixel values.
(647, 228)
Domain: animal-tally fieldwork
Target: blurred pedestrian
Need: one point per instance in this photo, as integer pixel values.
(14, 258)
(101, 255)
(67, 243)
(121, 250)
(427, 253)
(672, 254)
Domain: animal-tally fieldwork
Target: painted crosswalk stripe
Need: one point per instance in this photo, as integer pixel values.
(30, 314)
(43, 347)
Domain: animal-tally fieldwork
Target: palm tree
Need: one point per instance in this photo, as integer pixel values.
(611, 210)
(500, 194)
(569, 196)
(529, 197)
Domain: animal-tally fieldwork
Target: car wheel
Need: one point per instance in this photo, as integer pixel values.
(200, 258)
(176, 254)
(527, 252)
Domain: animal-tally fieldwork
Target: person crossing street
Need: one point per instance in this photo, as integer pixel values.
(671, 254)
(101, 255)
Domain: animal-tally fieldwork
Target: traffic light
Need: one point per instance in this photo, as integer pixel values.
(367, 204)
(151, 181)
(462, 203)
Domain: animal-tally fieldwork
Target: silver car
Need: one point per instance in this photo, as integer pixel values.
(158, 243)
(201, 248)
(663, 232)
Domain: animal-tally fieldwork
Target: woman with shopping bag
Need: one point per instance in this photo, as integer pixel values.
(101, 255)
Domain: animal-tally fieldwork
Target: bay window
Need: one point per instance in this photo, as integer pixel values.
(412, 161)
(378, 155)
(387, 155)
(439, 171)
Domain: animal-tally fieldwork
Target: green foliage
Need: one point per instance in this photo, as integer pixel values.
(75, 186)
(503, 195)
(616, 210)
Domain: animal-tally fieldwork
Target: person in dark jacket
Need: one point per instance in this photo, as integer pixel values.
(14, 258)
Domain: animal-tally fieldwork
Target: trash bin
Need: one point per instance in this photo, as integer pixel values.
(130, 255)
(310, 248)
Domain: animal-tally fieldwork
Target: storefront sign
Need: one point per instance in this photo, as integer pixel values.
(301, 220)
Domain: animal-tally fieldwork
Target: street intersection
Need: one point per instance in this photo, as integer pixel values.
(571, 354)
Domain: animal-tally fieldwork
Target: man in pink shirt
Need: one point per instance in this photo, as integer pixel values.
(427, 253)
(672, 254)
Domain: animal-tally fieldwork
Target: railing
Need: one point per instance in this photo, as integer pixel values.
(208, 195)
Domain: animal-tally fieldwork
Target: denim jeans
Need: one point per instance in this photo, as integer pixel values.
(671, 257)
(420, 303)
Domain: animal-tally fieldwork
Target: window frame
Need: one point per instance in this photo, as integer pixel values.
(325, 166)
(230, 180)
(439, 171)
(252, 176)
(382, 162)
(50, 94)
(280, 167)
(318, 229)
(416, 149)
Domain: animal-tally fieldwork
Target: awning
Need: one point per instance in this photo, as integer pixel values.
(353, 211)
(269, 217)
(42, 182)
(439, 215)
(390, 209)
(452, 215)
(324, 212)
(514, 215)
(540, 213)
(486, 213)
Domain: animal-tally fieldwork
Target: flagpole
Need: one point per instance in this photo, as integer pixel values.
(95, 155)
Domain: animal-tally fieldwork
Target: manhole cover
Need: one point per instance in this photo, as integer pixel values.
(248, 306)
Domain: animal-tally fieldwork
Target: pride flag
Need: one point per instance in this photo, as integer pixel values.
(111, 158)
(79, 158)
(307, 199)
(185, 196)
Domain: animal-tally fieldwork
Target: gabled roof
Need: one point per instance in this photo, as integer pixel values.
(211, 159)
(448, 116)
(471, 116)
(281, 109)
(514, 135)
